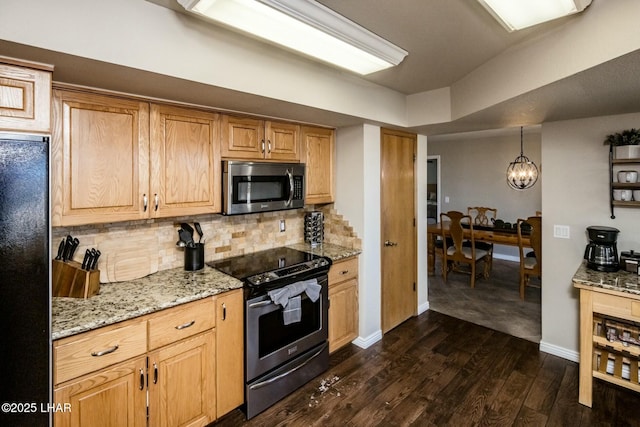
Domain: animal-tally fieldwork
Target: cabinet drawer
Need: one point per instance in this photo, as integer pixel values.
(343, 270)
(183, 321)
(98, 349)
(622, 307)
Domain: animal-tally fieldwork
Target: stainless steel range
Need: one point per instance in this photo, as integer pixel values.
(281, 355)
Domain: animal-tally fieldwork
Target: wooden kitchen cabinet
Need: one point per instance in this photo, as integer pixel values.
(182, 383)
(253, 139)
(170, 359)
(318, 155)
(115, 396)
(99, 159)
(343, 303)
(185, 161)
(25, 96)
(229, 351)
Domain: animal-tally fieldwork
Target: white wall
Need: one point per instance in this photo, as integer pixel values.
(575, 192)
(358, 199)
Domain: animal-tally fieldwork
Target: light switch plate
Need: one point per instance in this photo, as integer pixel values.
(283, 226)
(561, 231)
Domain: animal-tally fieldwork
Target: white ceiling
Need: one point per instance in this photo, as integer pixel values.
(446, 40)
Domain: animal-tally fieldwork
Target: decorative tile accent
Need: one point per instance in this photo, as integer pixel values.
(224, 236)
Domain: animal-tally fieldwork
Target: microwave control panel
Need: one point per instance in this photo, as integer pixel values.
(297, 188)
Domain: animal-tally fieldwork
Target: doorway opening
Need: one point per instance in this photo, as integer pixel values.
(433, 189)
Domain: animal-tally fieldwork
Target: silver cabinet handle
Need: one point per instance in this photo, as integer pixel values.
(145, 201)
(155, 373)
(269, 145)
(155, 199)
(141, 379)
(224, 311)
(186, 325)
(105, 352)
(262, 145)
(388, 243)
(343, 272)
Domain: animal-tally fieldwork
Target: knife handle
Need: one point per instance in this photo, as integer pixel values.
(60, 250)
(94, 261)
(85, 261)
(68, 245)
(74, 245)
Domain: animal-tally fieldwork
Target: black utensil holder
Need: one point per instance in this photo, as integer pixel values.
(194, 257)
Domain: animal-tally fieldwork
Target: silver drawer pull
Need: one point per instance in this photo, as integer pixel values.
(343, 272)
(104, 352)
(186, 325)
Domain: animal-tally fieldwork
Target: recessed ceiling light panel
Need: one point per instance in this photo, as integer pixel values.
(305, 26)
(518, 14)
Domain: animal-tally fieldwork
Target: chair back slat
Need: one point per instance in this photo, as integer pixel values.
(482, 215)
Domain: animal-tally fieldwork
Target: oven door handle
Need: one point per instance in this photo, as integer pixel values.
(261, 304)
(290, 371)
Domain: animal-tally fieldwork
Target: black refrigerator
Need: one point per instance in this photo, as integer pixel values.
(25, 280)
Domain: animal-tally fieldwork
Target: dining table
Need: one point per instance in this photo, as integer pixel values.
(484, 233)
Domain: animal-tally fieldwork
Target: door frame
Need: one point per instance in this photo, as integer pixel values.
(436, 157)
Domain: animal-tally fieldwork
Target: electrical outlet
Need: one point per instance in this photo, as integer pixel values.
(561, 231)
(446, 199)
(283, 226)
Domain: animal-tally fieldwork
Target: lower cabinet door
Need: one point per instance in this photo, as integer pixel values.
(343, 313)
(182, 383)
(115, 396)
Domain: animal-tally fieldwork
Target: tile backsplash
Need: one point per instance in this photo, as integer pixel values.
(224, 236)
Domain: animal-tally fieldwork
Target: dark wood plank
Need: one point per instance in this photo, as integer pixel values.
(435, 370)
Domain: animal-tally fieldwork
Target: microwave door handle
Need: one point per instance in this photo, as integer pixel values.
(290, 174)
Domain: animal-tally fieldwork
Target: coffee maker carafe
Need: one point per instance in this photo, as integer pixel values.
(602, 253)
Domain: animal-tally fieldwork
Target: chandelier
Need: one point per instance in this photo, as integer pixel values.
(522, 173)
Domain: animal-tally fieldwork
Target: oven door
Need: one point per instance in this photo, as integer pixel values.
(270, 343)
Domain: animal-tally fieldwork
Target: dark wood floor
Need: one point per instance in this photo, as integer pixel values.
(436, 370)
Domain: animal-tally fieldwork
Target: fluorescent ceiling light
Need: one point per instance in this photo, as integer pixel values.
(519, 14)
(305, 26)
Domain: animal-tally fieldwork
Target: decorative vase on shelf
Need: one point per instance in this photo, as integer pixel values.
(626, 144)
(627, 151)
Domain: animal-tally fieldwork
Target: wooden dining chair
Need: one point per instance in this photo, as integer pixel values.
(530, 265)
(484, 216)
(458, 253)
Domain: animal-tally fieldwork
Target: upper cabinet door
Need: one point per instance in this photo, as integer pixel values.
(318, 146)
(25, 99)
(185, 162)
(283, 141)
(242, 138)
(99, 159)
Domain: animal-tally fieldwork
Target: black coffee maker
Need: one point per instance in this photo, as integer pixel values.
(601, 252)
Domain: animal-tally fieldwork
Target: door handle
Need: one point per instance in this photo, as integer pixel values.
(389, 243)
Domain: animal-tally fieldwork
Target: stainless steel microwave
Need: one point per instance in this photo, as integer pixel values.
(249, 187)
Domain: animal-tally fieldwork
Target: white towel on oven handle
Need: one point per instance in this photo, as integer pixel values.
(282, 295)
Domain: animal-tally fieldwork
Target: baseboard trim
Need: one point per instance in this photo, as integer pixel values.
(366, 342)
(423, 307)
(565, 353)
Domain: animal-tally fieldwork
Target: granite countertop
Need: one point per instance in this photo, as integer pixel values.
(334, 252)
(117, 302)
(619, 281)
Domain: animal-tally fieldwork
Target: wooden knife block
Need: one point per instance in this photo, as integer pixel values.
(70, 280)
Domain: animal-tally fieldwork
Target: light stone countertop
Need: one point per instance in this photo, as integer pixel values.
(117, 302)
(334, 252)
(619, 281)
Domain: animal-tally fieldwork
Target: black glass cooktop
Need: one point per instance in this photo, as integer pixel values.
(244, 266)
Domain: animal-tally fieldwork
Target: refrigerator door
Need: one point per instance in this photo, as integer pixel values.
(25, 287)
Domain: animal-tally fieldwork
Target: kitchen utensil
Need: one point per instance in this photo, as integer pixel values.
(627, 176)
(198, 230)
(186, 227)
(68, 245)
(186, 237)
(85, 261)
(60, 250)
(74, 245)
(94, 261)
